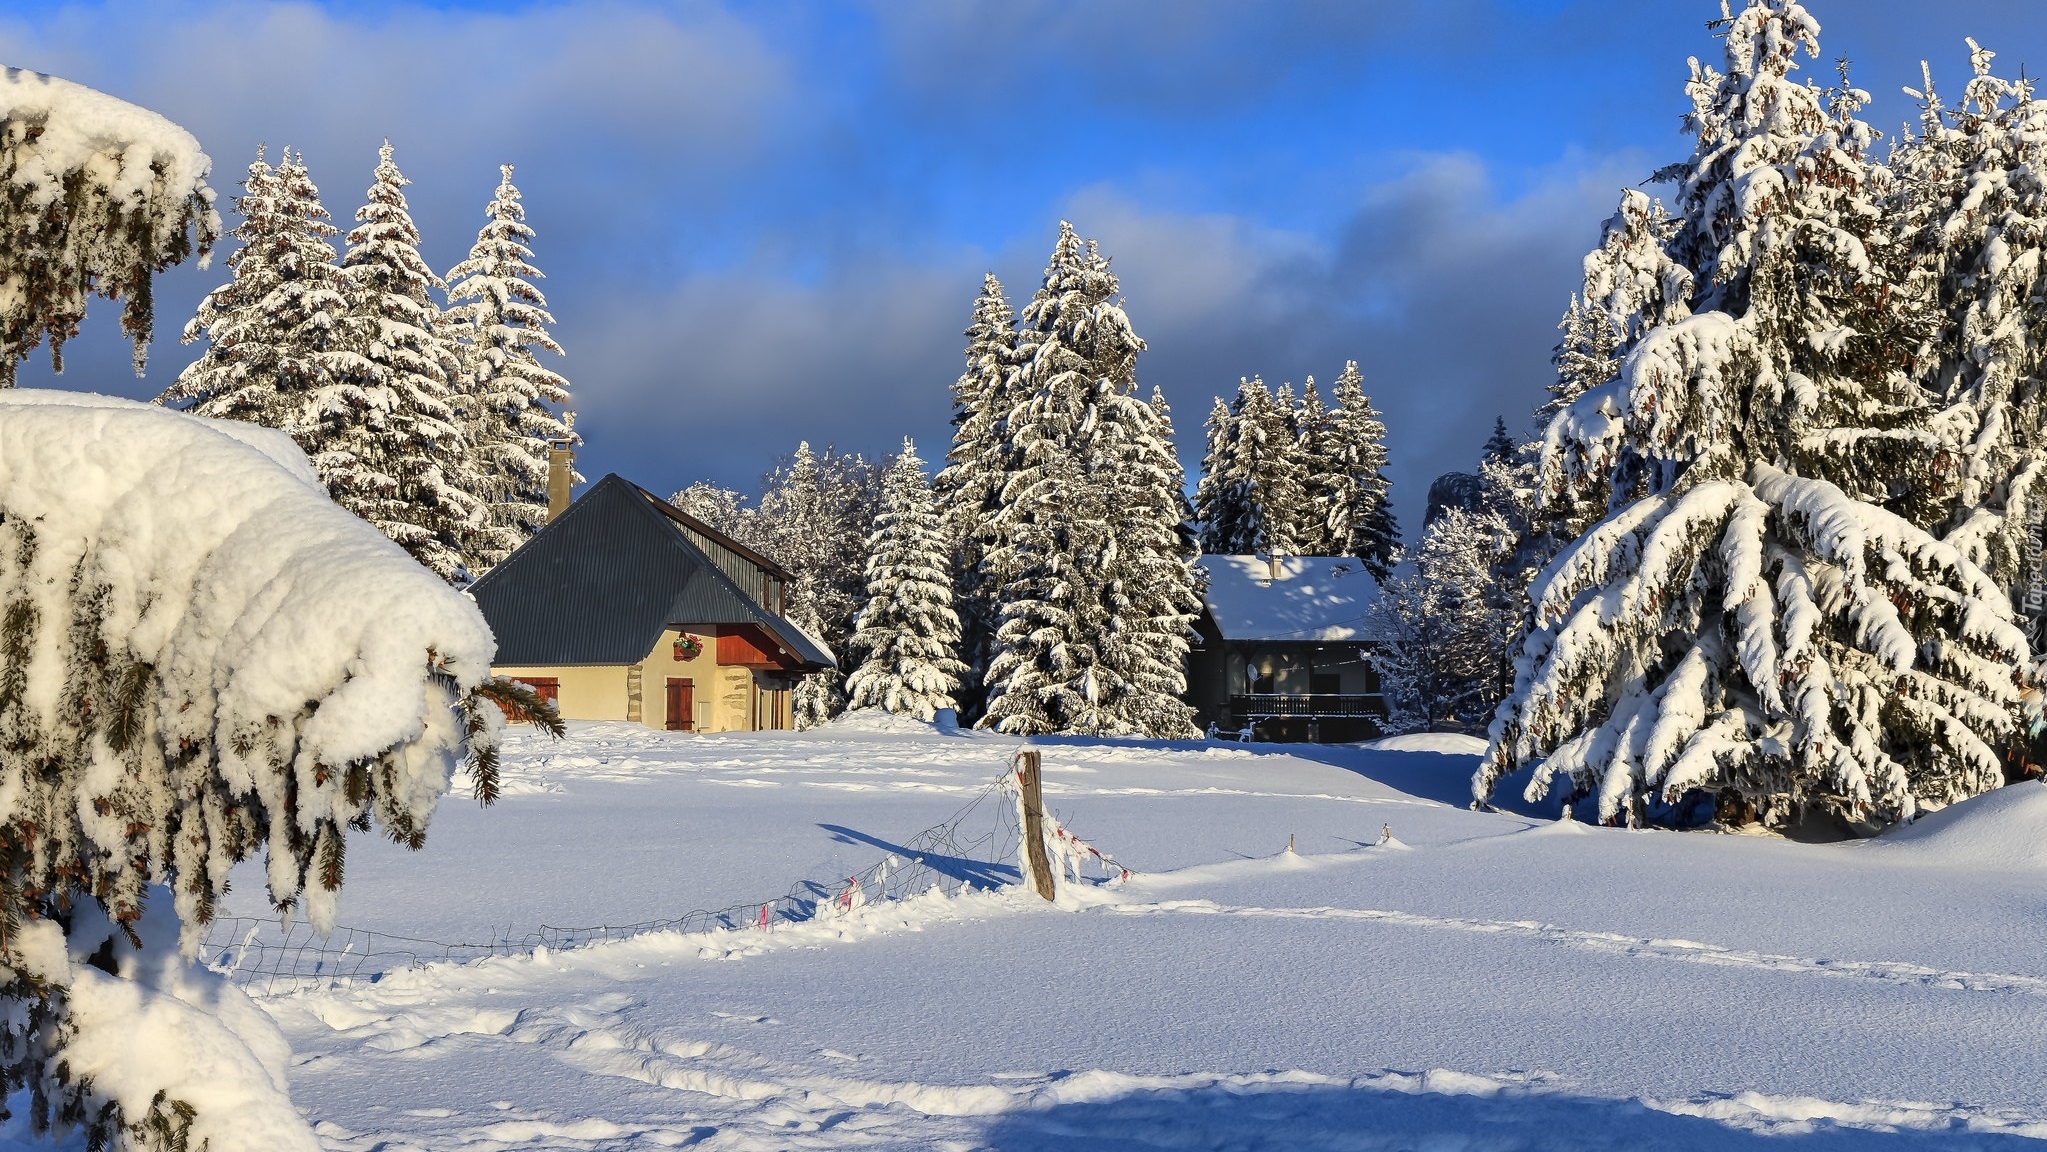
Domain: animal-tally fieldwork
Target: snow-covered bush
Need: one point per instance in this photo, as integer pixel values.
(201, 657)
(96, 196)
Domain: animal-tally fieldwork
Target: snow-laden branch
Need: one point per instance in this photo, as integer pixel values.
(201, 656)
(96, 196)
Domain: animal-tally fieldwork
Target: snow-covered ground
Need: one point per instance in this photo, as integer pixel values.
(1484, 981)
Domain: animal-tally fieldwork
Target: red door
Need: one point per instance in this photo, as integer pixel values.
(682, 704)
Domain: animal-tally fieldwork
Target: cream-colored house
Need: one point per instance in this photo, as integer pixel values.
(624, 608)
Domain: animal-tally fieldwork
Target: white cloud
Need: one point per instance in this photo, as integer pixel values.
(634, 108)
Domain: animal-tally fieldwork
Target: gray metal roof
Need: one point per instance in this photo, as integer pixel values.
(598, 585)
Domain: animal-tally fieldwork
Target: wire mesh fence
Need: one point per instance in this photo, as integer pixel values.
(974, 848)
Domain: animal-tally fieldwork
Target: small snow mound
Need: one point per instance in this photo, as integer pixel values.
(1445, 743)
(1564, 825)
(1998, 830)
(874, 721)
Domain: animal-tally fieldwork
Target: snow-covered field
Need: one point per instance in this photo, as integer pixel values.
(1485, 981)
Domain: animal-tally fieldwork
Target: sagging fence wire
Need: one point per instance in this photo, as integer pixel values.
(977, 847)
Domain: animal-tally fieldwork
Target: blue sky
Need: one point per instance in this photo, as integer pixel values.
(762, 223)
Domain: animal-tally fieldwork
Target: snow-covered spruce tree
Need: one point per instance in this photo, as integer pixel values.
(293, 344)
(1161, 584)
(815, 514)
(1509, 491)
(1320, 486)
(1501, 445)
(1586, 356)
(907, 634)
(1360, 499)
(1269, 471)
(1255, 499)
(202, 659)
(1973, 194)
(1216, 505)
(819, 696)
(404, 432)
(276, 350)
(497, 318)
(333, 404)
(1630, 285)
(1447, 628)
(238, 370)
(723, 509)
(1051, 550)
(96, 197)
(1765, 615)
(969, 487)
(1079, 554)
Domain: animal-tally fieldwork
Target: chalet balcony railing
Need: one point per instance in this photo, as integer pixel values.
(1308, 706)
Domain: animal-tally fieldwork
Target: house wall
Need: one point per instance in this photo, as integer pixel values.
(1208, 677)
(727, 699)
(1293, 664)
(588, 691)
(1292, 667)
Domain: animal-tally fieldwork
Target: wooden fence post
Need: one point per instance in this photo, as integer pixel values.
(1037, 864)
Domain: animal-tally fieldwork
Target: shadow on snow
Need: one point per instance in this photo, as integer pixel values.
(978, 873)
(1380, 1119)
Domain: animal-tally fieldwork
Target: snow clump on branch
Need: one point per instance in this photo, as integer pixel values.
(201, 656)
(96, 196)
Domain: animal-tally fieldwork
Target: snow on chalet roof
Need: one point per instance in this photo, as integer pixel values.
(1315, 598)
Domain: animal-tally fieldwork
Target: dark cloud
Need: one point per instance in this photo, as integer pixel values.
(1445, 292)
(719, 376)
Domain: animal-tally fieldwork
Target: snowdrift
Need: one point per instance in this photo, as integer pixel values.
(874, 721)
(1998, 831)
(1446, 743)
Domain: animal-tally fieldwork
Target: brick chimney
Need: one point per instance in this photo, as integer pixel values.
(1275, 567)
(561, 465)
